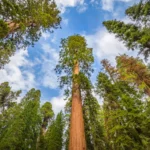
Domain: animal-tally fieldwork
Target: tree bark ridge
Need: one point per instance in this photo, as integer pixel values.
(77, 133)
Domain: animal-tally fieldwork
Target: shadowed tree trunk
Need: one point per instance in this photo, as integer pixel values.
(77, 133)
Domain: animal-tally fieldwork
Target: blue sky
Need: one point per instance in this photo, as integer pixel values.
(34, 67)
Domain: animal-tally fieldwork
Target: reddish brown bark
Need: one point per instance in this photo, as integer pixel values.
(12, 26)
(77, 133)
(15, 26)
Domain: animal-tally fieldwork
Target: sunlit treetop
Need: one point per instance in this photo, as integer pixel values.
(74, 50)
(133, 70)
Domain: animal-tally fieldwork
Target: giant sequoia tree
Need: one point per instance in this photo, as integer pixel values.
(135, 35)
(92, 115)
(75, 58)
(21, 23)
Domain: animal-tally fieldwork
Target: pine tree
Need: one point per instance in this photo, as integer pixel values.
(22, 22)
(93, 123)
(134, 71)
(47, 118)
(135, 35)
(124, 111)
(92, 114)
(7, 96)
(48, 114)
(75, 57)
(20, 125)
(67, 123)
(54, 135)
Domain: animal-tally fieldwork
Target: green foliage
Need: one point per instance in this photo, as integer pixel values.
(6, 50)
(22, 23)
(67, 123)
(3, 29)
(47, 113)
(93, 123)
(54, 135)
(73, 49)
(140, 12)
(20, 125)
(135, 35)
(93, 117)
(7, 96)
(125, 115)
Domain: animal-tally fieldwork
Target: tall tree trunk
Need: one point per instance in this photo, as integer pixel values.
(77, 132)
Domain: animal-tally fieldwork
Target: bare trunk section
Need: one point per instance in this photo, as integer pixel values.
(15, 26)
(44, 125)
(77, 133)
(12, 27)
(43, 131)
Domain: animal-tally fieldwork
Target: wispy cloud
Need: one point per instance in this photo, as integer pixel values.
(18, 72)
(49, 59)
(58, 103)
(63, 4)
(106, 45)
(82, 8)
(45, 35)
(108, 5)
(65, 21)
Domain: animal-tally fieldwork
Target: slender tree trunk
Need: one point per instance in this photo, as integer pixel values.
(77, 132)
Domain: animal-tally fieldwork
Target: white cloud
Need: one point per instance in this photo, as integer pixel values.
(65, 21)
(50, 52)
(49, 60)
(68, 3)
(45, 35)
(99, 99)
(58, 103)
(92, 1)
(62, 4)
(105, 45)
(18, 78)
(108, 5)
(82, 8)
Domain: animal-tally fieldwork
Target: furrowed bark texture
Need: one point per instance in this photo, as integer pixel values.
(77, 133)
